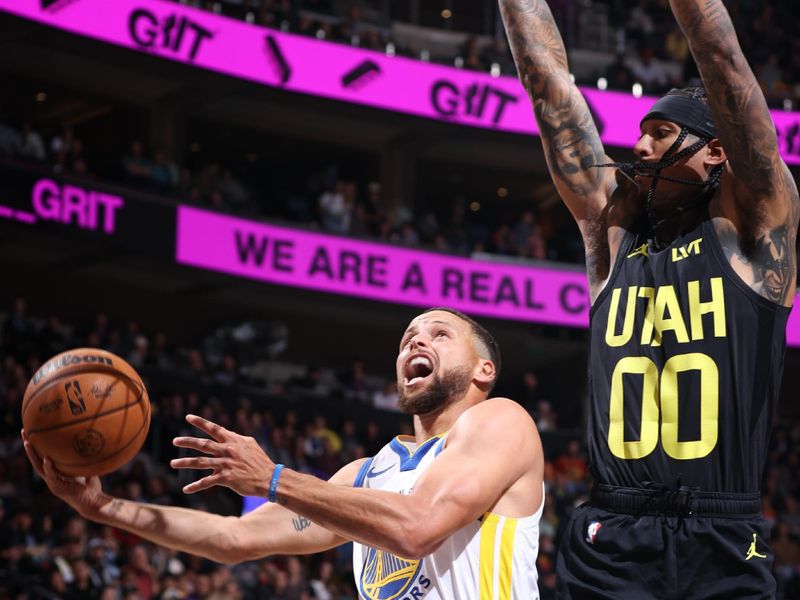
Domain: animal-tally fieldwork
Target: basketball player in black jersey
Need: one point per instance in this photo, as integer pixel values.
(690, 253)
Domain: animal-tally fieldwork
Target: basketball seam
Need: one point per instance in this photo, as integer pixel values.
(87, 418)
(145, 423)
(139, 385)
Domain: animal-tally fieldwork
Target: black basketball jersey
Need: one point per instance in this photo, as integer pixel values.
(684, 369)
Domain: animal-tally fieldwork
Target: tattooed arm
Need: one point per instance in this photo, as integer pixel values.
(569, 135)
(763, 204)
(270, 529)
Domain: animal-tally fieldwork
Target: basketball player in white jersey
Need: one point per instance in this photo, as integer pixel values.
(450, 514)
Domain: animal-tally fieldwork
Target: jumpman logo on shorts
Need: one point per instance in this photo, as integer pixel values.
(752, 552)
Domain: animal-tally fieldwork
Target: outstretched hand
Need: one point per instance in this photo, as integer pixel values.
(237, 461)
(83, 494)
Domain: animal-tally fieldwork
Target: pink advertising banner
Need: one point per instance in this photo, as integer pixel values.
(336, 71)
(386, 273)
(380, 272)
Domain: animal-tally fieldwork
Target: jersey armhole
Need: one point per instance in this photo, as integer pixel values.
(362, 473)
(719, 255)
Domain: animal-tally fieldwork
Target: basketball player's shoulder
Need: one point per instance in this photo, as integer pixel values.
(495, 414)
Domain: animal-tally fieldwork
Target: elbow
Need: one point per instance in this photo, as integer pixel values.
(416, 540)
(727, 59)
(232, 548)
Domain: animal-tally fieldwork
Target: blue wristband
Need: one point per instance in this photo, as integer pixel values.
(273, 485)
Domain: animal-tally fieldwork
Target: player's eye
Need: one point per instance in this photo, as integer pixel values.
(441, 334)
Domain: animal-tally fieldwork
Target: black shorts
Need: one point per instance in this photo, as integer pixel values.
(605, 554)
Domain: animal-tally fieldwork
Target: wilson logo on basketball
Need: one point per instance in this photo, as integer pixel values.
(75, 398)
(67, 360)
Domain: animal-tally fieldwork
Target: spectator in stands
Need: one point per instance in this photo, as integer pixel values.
(386, 398)
(10, 139)
(650, 73)
(502, 240)
(786, 551)
(228, 372)
(163, 173)
(619, 75)
(135, 165)
(574, 470)
(498, 53)
(676, 46)
(321, 585)
(351, 29)
(522, 232)
(545, 416)
(32, 145)
(640, 26)
(471, 53)
(335, 208)
(354, 382)
(528, 392)
(18, 333)
(536, 246)
(233, 191)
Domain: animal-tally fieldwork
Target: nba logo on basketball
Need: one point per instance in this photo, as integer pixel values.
(591, 531)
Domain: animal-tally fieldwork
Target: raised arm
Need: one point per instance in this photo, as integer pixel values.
(270, 529)
(571, 142)
(764, 204)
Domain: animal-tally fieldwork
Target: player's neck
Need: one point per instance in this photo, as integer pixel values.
(441, 420)
(676, 217)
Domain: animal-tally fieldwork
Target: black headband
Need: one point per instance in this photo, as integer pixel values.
(692, 113)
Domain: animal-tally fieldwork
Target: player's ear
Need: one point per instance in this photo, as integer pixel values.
(485, 372)
(715, 153)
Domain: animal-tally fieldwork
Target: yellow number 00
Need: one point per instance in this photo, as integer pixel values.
(668, 393)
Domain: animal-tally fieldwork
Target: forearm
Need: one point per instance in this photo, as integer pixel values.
(186, 530)
(534, 39)
(376, 518)
(737, 103)
(708, 29)
(569, 135)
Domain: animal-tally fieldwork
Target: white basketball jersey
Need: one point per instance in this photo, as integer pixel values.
(493, 558)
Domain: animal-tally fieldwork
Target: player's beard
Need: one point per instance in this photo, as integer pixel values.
(439, 391)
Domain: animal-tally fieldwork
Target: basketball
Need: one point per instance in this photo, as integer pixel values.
(87, 410)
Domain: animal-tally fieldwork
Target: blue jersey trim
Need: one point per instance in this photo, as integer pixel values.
(362, 472)
(440, 447)
(410, 459)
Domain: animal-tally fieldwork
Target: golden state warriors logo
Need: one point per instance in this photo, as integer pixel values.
(385, 576)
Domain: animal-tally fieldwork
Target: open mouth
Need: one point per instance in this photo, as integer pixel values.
(418, 368)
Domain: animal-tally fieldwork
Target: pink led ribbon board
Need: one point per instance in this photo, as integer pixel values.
(386, 273)
(379, 272)
(336, 71)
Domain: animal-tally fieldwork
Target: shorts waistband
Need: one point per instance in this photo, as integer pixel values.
(683, 501)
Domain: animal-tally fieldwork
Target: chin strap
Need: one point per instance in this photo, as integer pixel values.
(653, 170)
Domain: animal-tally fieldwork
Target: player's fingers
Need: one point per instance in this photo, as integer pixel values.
(202, 484)
(34, 458)
(49, 470)
(195, 462)
(218, 432)
(200, 444)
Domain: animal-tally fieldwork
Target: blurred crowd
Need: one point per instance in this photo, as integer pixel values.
(325, 199)
(48, 551)
(652, 50)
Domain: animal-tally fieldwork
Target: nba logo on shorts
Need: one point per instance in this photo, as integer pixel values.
(591, 531)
